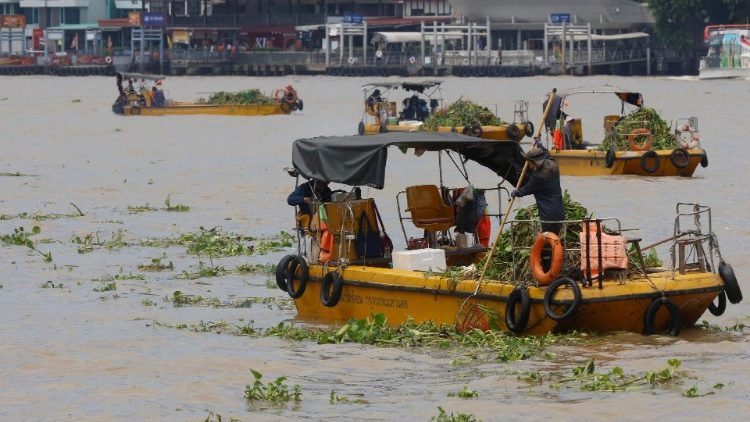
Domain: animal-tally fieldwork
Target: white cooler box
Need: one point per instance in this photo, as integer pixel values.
(419, 260)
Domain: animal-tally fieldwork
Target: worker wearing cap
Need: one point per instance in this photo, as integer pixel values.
(544, 184)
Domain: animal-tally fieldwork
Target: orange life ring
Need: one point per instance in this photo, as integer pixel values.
(326, 243)
(641, 131)
(279, 94)
(558, 253)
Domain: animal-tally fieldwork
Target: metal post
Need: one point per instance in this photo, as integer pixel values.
(435, 49)
(364, 43)
(328, 46)
(591, 71)
(161, 52)
(489, 40)
(341, 44)
(572, 50)
(470, 43)
(143, 35)
(648, 58)
(351, 45)
(421, 41)
(546, 53)
(562, 43)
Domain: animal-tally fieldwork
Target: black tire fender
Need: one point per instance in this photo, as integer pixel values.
(731, 286)
(704, 160)
(518, 295)
(551, 292)
(647, 156)
(330, 297)
(513, 133)
(680, 158)
(291, 274)
(285, 107)
(649, 318)
(361, 128)
(718, 310)
(529, 129)
(300, 105)
(281, 268)
(609, 159)
(135, 110)
(383, 127)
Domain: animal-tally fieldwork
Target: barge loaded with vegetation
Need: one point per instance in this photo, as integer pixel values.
(144, 96)
(591, 277)
(636, 142)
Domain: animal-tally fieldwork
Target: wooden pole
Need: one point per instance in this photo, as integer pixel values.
(513, 199)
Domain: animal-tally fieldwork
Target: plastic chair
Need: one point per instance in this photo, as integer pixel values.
(428, 211)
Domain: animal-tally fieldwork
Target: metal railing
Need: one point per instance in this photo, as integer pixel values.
(239, 20)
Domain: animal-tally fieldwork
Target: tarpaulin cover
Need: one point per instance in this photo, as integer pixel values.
(361, 160)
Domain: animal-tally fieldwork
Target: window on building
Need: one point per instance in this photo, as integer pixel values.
(32, 15)
(70, 15)
(194, 7)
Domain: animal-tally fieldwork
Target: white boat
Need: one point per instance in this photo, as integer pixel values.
(728, 52)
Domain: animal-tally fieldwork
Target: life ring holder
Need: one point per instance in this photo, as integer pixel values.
(518, 295)
(291, 274)
(649, 318)
(108, 59)
(551, 292)
(641, 131)
(328, 297)
(544, 278)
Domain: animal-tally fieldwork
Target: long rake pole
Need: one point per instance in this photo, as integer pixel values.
(513, 199)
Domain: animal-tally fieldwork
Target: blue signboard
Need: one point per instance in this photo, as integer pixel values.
(153, 19)
(349, 18)
(559, 17)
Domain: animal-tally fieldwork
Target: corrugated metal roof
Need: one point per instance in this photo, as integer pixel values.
(612, 14)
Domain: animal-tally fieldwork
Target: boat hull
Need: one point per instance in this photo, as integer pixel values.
(488, 132)
(403, 295)
(192, 109)
(593, 163)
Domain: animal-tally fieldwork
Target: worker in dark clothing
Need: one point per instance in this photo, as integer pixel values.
(544, 184)
(307, 193)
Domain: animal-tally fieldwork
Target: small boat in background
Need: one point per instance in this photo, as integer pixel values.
(424, 99)
(638, 151)
(150, 101)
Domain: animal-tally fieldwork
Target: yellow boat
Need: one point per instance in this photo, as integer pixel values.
(355, 284)
(152, 102)
(424, 98)
(575, 157)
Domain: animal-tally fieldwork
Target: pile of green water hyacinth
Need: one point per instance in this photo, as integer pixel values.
(648, 118)
(460, 114)
(521, 233)
(250, 96)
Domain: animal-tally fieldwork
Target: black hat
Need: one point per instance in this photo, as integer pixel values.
(536, 155)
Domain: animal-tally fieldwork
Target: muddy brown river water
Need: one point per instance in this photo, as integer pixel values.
(73, 353)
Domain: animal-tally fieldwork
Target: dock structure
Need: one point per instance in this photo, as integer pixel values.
(335, 37)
